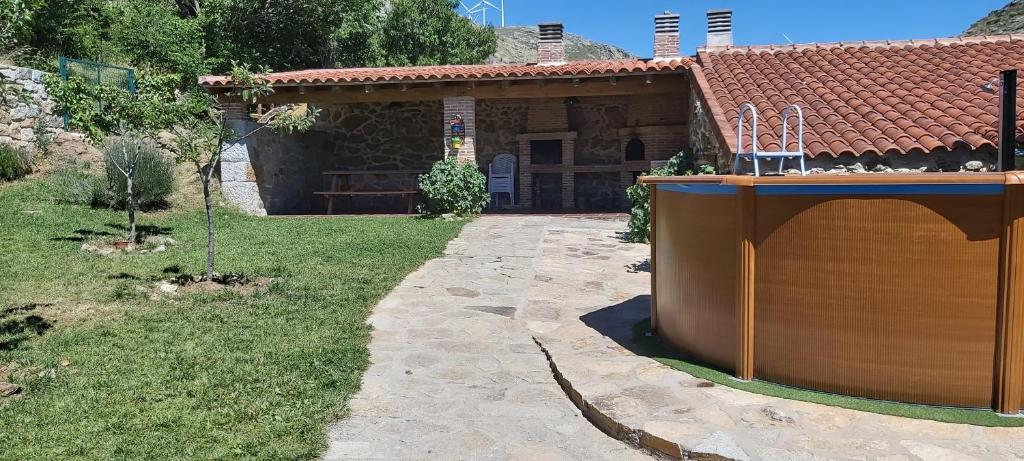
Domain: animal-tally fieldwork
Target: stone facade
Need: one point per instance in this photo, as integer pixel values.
(703, 141)
(28, 118)
(279, 174)
(499, 122)
(364, 136)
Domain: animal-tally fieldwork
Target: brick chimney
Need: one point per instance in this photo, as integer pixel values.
(719, 28)
(666, 36)
(551, 48)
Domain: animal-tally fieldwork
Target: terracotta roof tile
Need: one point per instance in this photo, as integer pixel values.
(465, 72)
(869, 97)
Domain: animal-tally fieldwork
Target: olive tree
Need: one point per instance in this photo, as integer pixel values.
(201, 141)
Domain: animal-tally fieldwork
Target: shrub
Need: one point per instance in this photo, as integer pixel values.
(640, 194)
(154, 176)
(454, 187)
(75, 185)
(15, 162)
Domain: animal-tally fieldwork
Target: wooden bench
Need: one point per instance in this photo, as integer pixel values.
(342, 186)
(410, 197)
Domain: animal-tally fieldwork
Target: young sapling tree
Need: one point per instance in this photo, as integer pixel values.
(124, 153)
(201, 142)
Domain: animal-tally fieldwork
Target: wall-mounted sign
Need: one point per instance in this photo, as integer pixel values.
(458, 132)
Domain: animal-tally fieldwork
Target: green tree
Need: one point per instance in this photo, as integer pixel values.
(77, 28)
(153, 36)
(16, 22)
(201, 141)
(293, 34)
(431, 32)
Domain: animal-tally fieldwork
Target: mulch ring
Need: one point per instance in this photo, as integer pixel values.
(188, 284)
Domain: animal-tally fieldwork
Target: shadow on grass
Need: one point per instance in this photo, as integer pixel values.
(82, 235)
(19, 323)
(144, 230)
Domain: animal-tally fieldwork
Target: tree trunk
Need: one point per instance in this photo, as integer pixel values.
(131, 209)
(209, 229)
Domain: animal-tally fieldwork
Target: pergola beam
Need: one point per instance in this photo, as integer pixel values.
(541, 88)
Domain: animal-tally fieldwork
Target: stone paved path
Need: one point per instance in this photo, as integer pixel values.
(583, 316)
(455, 374)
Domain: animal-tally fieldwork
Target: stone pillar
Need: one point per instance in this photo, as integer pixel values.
(238, 179)
(465, 107)
(525, 174)
(569, 173)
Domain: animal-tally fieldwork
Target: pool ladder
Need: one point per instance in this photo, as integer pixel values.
(754, 154)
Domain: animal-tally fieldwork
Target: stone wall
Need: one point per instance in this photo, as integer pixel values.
(499, 122)
(599, 192)
(28, 119)
(365, 136)
(596, 122)
(703, 141)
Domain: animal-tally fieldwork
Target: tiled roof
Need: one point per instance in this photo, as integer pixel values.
(466, 72)
(867, 97)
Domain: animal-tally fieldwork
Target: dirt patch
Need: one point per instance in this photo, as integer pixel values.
(109, 247)
(188, 284)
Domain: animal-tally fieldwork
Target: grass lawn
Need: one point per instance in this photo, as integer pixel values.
(108, 373)
(652, 347)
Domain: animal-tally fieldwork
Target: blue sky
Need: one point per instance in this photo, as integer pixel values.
(629, 23)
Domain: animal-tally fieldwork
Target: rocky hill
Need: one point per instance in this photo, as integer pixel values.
(1006, 20)
(519, 45)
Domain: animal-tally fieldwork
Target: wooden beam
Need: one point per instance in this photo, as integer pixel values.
(482, 90)
(746, 234)
(1009, 371)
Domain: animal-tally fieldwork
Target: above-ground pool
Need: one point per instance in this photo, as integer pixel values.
(905, 288)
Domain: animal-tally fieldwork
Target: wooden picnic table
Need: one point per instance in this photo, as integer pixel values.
(342, 185)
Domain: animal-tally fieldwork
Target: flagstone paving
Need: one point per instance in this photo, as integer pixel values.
(455, 375)
(458, 371)
(583, 316)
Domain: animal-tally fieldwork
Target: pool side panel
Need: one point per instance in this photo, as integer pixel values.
(696, 271)
(885, 296)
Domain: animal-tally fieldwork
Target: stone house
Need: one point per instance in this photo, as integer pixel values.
(568, 123)
(582, 131)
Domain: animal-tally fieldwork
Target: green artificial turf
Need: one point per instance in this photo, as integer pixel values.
(653, 347)
(110, 373)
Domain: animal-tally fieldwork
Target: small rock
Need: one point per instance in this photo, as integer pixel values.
(9, 389)
(705, 384)
(776, 415)
(89, 248)
(974, 165)
(448, 217)
(65, 362)
(857, 168)
(167, 287)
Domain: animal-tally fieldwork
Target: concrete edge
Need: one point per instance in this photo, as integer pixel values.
(638, 438)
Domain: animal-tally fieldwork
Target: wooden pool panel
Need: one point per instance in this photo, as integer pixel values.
(696, 298)
(893, 287)
(843, 283)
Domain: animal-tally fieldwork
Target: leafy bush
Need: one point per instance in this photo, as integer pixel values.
(682, 164)
(454, 187)
(76, 185)
(154, 175)
(15, 162)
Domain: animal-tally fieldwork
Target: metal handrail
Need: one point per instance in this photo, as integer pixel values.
(755, 154)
